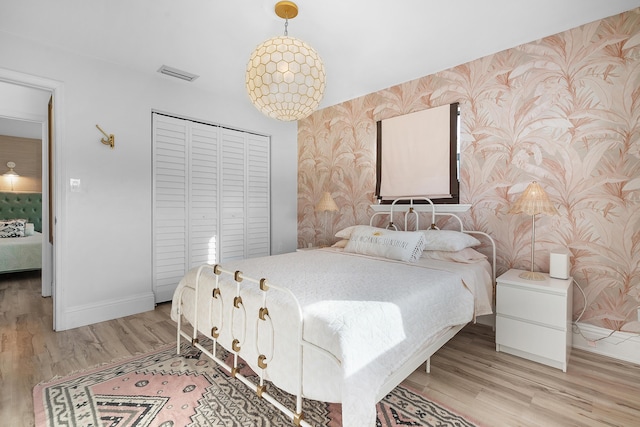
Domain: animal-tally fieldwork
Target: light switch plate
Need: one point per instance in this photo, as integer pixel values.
(74, 183)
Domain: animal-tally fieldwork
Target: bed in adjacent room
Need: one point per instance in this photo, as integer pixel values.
(344, 324)
(20, 232)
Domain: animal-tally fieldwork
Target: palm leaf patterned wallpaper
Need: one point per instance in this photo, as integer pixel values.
(564, 111)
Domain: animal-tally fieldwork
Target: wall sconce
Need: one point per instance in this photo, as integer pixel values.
(111, 139)
(11, 175)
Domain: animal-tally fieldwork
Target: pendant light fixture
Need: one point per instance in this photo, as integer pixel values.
(285, 76)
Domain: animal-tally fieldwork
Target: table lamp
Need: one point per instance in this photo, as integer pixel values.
(326, 205)
(532, 202)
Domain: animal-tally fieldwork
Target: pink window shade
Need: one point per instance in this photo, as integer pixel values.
(415, 154)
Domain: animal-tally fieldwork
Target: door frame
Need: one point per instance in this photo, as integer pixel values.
(55, 258)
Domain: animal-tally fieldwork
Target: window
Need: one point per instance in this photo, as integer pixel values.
(418, 155)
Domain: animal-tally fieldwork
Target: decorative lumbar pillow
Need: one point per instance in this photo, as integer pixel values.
(12, 227)
(448, 240)
(466, 255)
(398, 245)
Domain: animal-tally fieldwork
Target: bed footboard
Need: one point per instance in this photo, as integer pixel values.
(238, 322)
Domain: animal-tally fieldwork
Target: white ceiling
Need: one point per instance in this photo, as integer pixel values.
(20, 128)
(27, 104)
(366, 45)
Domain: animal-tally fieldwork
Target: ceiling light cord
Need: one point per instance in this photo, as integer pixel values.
(286, 24)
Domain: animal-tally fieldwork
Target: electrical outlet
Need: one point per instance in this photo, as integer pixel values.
(639, 313)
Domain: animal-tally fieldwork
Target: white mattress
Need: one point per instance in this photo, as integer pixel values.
(370, 313)
(21, 253)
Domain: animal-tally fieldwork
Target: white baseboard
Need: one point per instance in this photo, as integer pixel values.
(106, 310)
(619, 345)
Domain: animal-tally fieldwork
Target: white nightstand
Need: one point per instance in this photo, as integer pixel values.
(533, 318)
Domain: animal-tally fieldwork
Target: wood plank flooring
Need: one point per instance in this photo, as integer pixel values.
(31, 352)
(467, 374)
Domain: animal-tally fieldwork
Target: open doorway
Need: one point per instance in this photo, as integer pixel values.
(23, 143)
(25, 118)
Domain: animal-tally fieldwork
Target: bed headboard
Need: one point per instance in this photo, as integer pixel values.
(434, 214)
(22, 205)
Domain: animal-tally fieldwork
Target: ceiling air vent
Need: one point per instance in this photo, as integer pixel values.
(174, 72)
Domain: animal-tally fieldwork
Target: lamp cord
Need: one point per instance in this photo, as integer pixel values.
(590, 341)
(584, 306)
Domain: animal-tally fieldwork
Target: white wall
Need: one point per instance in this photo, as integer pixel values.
(104, 235)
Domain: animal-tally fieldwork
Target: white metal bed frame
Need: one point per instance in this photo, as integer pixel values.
(411, 211)
(239, 314)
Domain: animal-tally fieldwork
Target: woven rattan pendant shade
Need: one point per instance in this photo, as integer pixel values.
(533, 201)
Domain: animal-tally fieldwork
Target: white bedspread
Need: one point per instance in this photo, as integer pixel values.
(21, 253)
(369, 313)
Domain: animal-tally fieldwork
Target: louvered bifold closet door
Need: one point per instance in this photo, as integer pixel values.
(170, 189)
(203, 195)
(245, 197)
(233, 195)
(185, 199)
(258, 206)
(211, 198)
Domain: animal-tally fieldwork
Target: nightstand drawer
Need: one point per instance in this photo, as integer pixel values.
(536, 306)
(546, 342)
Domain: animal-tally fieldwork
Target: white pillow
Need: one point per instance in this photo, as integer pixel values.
(448, 240)
(466, 255)
(29, 229)
(398, 245)
(345, 233)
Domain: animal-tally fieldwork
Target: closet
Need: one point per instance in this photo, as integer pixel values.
(211, 200)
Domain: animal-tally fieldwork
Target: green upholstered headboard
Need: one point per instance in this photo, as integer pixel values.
(22, 205)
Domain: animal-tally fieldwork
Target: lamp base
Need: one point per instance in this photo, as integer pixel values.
(531, 275)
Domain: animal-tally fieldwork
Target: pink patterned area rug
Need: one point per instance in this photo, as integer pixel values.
(162, 389)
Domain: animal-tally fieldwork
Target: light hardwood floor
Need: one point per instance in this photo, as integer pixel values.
(467, 374)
